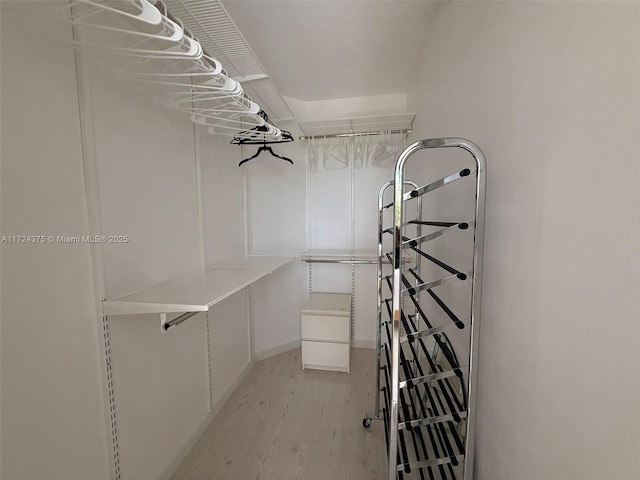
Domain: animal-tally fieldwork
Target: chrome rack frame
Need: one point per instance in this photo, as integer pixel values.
(428, 394)
(382, 260)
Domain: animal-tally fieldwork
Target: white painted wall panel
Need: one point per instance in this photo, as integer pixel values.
(278, 218)
(367, 185)
(277, 299)
(277, 200)
(230, 347)
(550, 91)
(52, 412)
(330, 210)
(146, 163)
(331, 278)
(365, 308)
(152, 163)
(223, 197)
(277, 221)
(161, 390)
(147, 181)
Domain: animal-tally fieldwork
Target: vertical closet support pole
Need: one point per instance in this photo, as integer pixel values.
(209, 362)
(353, 246)
(92, 195)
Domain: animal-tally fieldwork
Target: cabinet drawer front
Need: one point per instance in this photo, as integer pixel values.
(325, 328)
(322, 354)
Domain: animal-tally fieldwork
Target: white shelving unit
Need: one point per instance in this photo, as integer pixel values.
(354, 125)
(198, 291)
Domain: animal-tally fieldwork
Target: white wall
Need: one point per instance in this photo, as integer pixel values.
(550, 91)
(277, 200)
(276, 218)
(176, 192)
(145, 157)
(309, 206)
(52, 406)
(222, 184)
(150, 164)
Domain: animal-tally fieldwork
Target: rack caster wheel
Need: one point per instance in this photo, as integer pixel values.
(366, 422)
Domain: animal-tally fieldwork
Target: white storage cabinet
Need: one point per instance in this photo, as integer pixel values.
(326, 332)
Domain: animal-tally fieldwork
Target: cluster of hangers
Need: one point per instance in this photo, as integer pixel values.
(154, 50)
(243, 139)
(337, 151)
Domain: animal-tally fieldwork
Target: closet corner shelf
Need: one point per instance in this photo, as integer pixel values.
(198, 291)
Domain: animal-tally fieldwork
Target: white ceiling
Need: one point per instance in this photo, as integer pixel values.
(320, 49)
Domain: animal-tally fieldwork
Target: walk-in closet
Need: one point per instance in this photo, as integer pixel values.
(319, 240)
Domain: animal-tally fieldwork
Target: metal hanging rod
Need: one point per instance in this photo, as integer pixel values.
(351, 262)
(355, 134)
(176, 321)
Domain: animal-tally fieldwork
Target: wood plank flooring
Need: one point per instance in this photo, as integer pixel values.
(285, 423)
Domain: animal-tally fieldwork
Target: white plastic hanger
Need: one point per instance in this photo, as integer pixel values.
(388, 149)
(211, 86)
(105, 15)
(338, 157)
(224, 107)
(227, 95)
(382, 153)
(142, 10)
(229, 127)
(237, 120)
(141, 69)
(184, 48)
(167, 39)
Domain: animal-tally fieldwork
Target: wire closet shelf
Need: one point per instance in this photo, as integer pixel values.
(155, 51)
(428, 315)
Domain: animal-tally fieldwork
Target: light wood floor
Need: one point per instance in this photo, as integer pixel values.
(283, 423)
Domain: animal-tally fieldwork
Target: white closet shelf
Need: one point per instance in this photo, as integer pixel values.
(354, 125)
(339, 256)
(198, 291)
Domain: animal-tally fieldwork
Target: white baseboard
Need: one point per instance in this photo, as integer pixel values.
(215, 409)
(270, 352)
(363, 343)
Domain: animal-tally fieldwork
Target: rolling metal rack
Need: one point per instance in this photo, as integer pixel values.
(427, 340)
